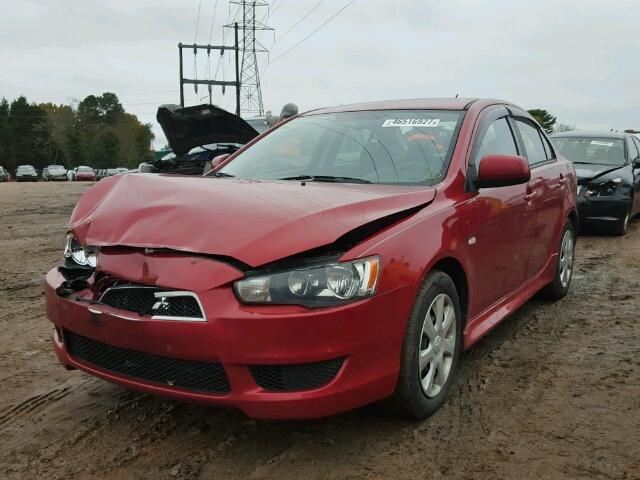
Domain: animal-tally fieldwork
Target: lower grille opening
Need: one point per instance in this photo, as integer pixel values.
(189, 375)
(290, 378)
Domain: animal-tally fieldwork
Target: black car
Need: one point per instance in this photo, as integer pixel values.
(197, 135)
(608, 168)
(26, 173)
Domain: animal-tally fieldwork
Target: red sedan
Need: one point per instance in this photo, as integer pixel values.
(345, 256)
(85, 174)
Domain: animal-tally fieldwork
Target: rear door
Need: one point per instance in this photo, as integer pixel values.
(545, 192)
(504, 222)
(636, 180)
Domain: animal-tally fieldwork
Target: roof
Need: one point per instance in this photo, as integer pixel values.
(413, 104)
(591, 133)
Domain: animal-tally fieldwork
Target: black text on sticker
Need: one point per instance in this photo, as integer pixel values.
(412, 122)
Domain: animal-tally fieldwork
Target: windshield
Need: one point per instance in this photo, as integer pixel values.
(592, 150)
(26, 169)
(405, 147)
(85, 169)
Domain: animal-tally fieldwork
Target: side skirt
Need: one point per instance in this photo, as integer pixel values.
(485, 321)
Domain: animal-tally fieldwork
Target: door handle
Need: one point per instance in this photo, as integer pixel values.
(562, 180)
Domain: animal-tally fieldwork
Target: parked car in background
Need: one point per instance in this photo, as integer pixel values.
(4, 175)
(53, 173)
(26, 173)
(83, 173)
(346, 256)
(608, 169)
(197, 135)
(122, 170)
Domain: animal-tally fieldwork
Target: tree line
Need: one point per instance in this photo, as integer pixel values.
(96, 132)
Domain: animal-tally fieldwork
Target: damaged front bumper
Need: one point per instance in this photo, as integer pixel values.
(602, 211)
(269, 361)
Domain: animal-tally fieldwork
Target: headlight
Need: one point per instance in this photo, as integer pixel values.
(318, 286)
(80, 254)
(605, 189)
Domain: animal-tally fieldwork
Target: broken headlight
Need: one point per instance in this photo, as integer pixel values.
(318, 286)
(80, 254)
(605, 189)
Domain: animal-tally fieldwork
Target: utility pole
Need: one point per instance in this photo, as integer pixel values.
(221, 48)
(251, 93)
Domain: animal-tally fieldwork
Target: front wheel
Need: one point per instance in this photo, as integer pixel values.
(564, 268)
(622, 226)
(430, 349)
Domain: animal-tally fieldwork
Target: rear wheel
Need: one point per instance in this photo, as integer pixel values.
(430, 349)
(564, 269)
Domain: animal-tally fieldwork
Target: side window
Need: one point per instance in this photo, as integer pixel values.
(637, 143)
(534, 148)
(633, 150)
(498, 140)
(548, 148)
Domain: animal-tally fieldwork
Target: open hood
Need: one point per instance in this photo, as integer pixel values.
(189, 127)
(255, 222)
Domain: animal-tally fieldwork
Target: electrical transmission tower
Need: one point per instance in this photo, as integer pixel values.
(250, 92)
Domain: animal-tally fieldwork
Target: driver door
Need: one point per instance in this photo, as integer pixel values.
(504, 220)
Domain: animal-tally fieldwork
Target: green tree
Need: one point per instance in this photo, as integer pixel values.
(6, 155)
(544, 118)
(29, 134)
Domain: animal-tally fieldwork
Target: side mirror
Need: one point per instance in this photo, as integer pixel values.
(215, 162)
(636, 163)
(218, 160)
(502, 171)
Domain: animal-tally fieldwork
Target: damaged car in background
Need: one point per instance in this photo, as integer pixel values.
(199, 134)
(346, 256)
(608, 169)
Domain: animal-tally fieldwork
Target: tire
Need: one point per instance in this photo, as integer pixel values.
(415, 395)
(622, 226)
(559, 288)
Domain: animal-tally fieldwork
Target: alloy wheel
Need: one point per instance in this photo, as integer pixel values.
(437, 345)
(566, 259)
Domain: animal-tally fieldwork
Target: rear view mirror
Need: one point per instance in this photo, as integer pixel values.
(502, 171)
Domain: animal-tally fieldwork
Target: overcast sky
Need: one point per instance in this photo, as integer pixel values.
(578, 58)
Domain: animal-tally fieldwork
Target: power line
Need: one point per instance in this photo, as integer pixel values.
(275, 8)
(213, 20)
(312, 33)
(195, 37)
(304, 17)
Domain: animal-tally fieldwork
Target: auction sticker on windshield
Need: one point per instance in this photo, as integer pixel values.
(601, 143)
(411, 122)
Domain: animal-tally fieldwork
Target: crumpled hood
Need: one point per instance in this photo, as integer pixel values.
(256, 222)
(589, 172)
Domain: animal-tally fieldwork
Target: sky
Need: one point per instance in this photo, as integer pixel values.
(580, 59)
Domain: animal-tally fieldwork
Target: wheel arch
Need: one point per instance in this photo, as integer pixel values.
(452, 267)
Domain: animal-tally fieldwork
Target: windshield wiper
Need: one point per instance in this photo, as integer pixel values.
(222, 175)
(327, 178)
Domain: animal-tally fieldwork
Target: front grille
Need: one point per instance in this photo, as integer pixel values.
(153, 301)
(289, 378)
(195, 376)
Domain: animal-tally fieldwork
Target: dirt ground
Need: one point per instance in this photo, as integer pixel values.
(554, 392)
